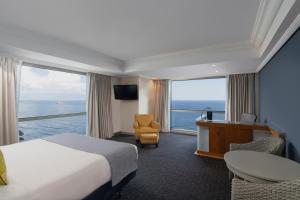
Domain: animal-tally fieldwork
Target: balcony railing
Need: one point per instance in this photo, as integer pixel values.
(24, 119)
(48, 118)
(184, 119)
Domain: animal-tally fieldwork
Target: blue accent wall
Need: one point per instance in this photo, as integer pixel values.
(280, 94)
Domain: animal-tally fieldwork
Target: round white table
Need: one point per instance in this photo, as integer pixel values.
(261, 167)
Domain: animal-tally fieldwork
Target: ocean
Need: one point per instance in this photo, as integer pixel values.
(186, 120)
(77, 124)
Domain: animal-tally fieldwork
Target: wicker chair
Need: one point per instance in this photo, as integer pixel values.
(243, 190)
(273, 145)
(248, 118)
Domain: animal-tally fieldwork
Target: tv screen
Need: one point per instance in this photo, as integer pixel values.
(126, 92)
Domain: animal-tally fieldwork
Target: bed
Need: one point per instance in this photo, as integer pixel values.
(67, 166)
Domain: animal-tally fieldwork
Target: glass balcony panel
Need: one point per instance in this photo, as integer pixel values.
(186, 119)
(47, 127)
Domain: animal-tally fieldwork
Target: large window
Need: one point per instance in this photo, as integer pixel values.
(51, 102)
(191, 99)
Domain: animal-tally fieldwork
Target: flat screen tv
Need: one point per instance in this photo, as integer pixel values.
(126, 92)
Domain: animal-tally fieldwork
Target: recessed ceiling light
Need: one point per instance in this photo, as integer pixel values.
(213, 65)
(217, 71)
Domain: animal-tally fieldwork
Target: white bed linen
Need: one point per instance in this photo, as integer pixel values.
(41, 170)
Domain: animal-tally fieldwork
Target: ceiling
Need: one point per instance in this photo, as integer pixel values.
(157, 38)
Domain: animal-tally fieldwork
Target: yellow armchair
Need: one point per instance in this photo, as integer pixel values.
(143, 124)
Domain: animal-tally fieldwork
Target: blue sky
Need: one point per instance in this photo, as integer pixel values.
(43, 84)
(203, 89)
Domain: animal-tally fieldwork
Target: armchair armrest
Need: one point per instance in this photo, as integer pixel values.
(245, 146)
(135, 125)
(269, 145)
(155, 125)
(259, 145)
(252, 191)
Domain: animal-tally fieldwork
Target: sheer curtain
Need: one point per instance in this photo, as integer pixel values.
(242, 95)
(99, 106)
(9, 70)
(162, 103)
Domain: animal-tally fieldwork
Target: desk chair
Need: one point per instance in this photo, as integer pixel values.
(248, 118)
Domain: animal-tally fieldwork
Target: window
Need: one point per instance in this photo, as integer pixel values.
(51, 102)
(191, 99)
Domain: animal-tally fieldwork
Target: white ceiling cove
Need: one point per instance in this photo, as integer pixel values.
(157, 38)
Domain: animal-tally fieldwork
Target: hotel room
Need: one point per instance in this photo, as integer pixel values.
(139, 99)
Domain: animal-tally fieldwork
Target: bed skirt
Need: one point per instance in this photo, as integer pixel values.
(107, 191)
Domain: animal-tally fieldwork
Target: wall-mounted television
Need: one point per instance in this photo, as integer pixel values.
(126, 92)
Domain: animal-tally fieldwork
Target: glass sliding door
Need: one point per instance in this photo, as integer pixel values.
(191, 99)
(51, 102)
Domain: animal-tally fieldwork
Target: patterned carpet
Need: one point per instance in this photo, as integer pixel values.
(172, 172)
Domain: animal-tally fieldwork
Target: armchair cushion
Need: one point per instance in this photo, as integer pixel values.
(273, 145)
(147, 130)
(144, 120)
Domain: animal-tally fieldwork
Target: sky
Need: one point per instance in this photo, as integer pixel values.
(202, 89)
(43, 84)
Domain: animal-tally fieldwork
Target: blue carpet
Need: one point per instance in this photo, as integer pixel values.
(173, 172)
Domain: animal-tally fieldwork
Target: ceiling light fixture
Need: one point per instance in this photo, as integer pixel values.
(213, 65)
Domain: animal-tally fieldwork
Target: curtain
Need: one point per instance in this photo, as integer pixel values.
(162, 103)
(242, 95)
(8, 100)
(99, 106)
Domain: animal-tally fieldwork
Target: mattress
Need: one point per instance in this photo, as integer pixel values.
(39, 169)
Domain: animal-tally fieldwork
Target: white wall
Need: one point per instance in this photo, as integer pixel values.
(115, 104)
(128, 108)
(123, 111)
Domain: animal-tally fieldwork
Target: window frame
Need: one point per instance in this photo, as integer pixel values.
(189, 131)
(51, 116)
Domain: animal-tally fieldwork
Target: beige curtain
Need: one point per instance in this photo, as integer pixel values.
(8, 100)
(242, 95)
(99, 106)
(162, 103)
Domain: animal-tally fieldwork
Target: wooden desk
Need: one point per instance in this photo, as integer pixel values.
(214, 137)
